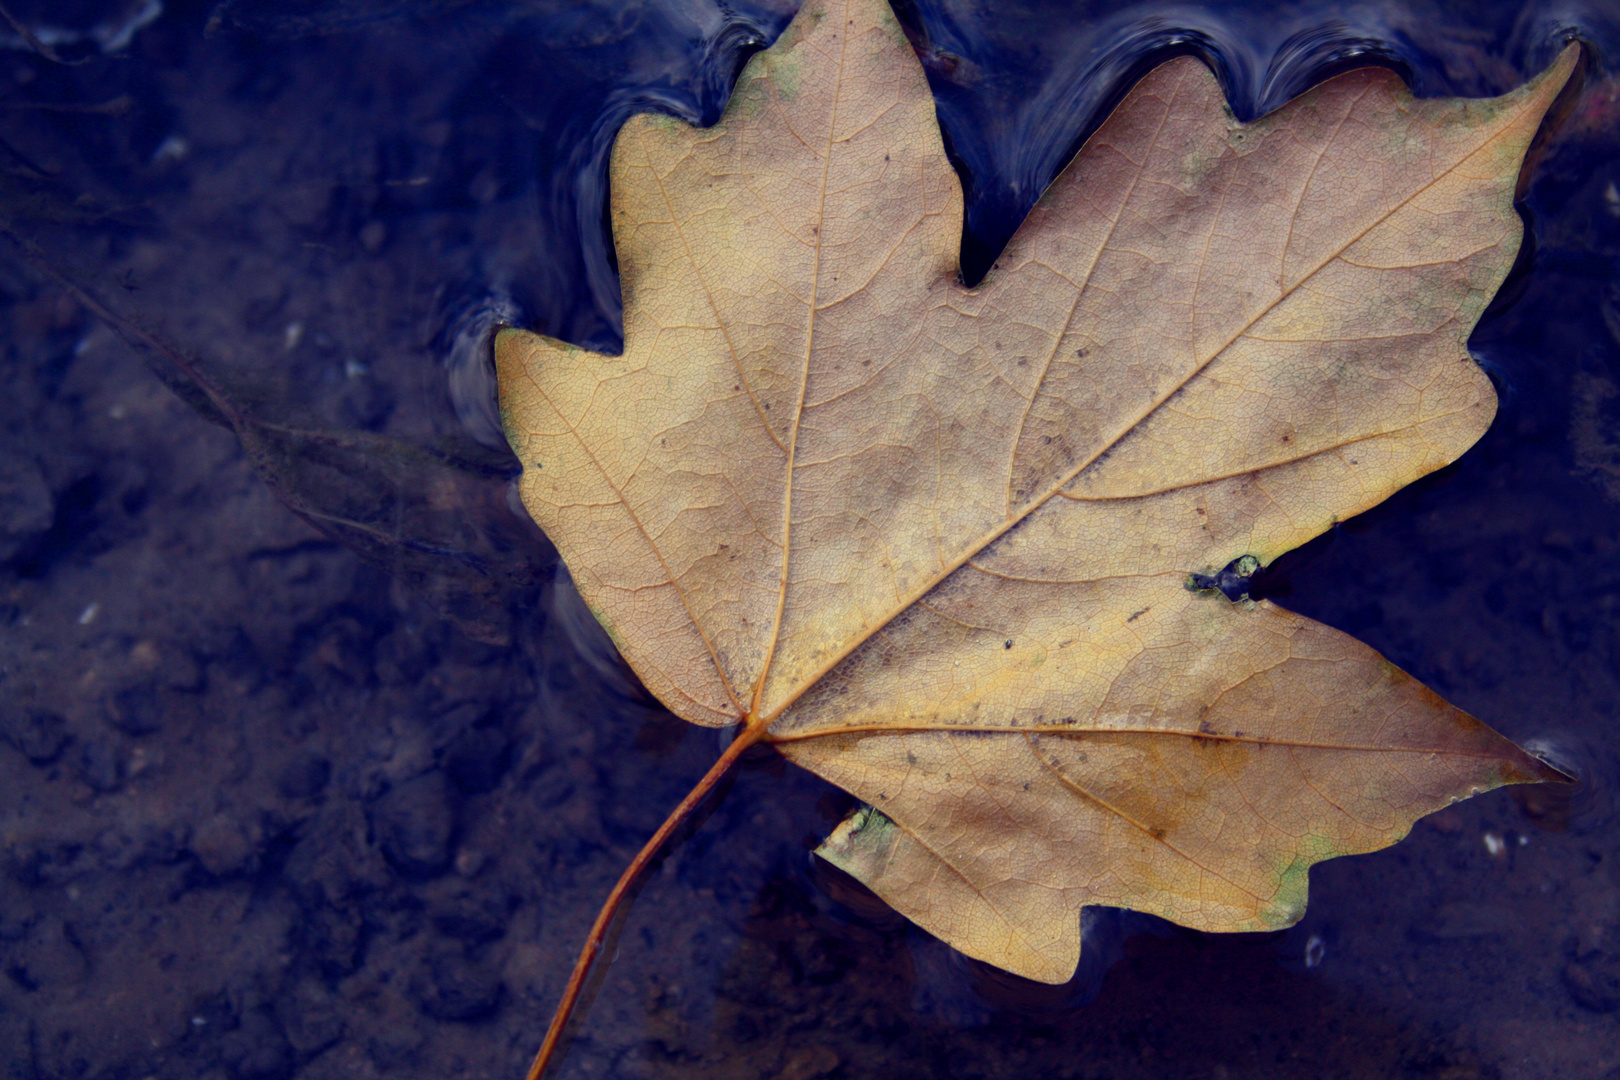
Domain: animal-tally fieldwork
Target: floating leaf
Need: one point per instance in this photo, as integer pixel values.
(964, 552)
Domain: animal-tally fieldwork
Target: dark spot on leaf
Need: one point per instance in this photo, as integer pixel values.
(1080, 354)
(1232, 581)
(1135, 614)
(1007, 644)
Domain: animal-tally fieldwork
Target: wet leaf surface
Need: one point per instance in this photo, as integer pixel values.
(960, 551)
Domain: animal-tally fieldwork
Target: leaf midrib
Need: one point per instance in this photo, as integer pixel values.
(1082, 730)
(804, 384)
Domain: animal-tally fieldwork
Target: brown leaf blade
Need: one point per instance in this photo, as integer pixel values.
(934, 542)
(1196, 788)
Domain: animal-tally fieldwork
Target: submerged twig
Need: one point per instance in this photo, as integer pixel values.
(34, 42)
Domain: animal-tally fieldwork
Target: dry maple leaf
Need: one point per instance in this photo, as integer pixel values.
(934, 543)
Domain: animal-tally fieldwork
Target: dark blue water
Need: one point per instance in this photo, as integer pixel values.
(310, 765)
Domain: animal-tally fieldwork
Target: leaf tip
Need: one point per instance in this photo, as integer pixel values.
(1563, 66)
(508, 346)
(1555, 77)
(1529, 769)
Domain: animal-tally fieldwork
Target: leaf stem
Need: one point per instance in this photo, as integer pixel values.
(753, 732)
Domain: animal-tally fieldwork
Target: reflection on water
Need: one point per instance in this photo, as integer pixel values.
(293, 816)
(464, 345)
(1589, 757)
(1019, 90)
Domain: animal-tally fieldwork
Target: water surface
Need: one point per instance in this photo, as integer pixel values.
(339, 799)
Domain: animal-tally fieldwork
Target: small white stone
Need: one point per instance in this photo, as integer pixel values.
(1315, 950)
(174, 148)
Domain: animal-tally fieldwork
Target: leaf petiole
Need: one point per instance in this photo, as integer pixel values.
(752, 733)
